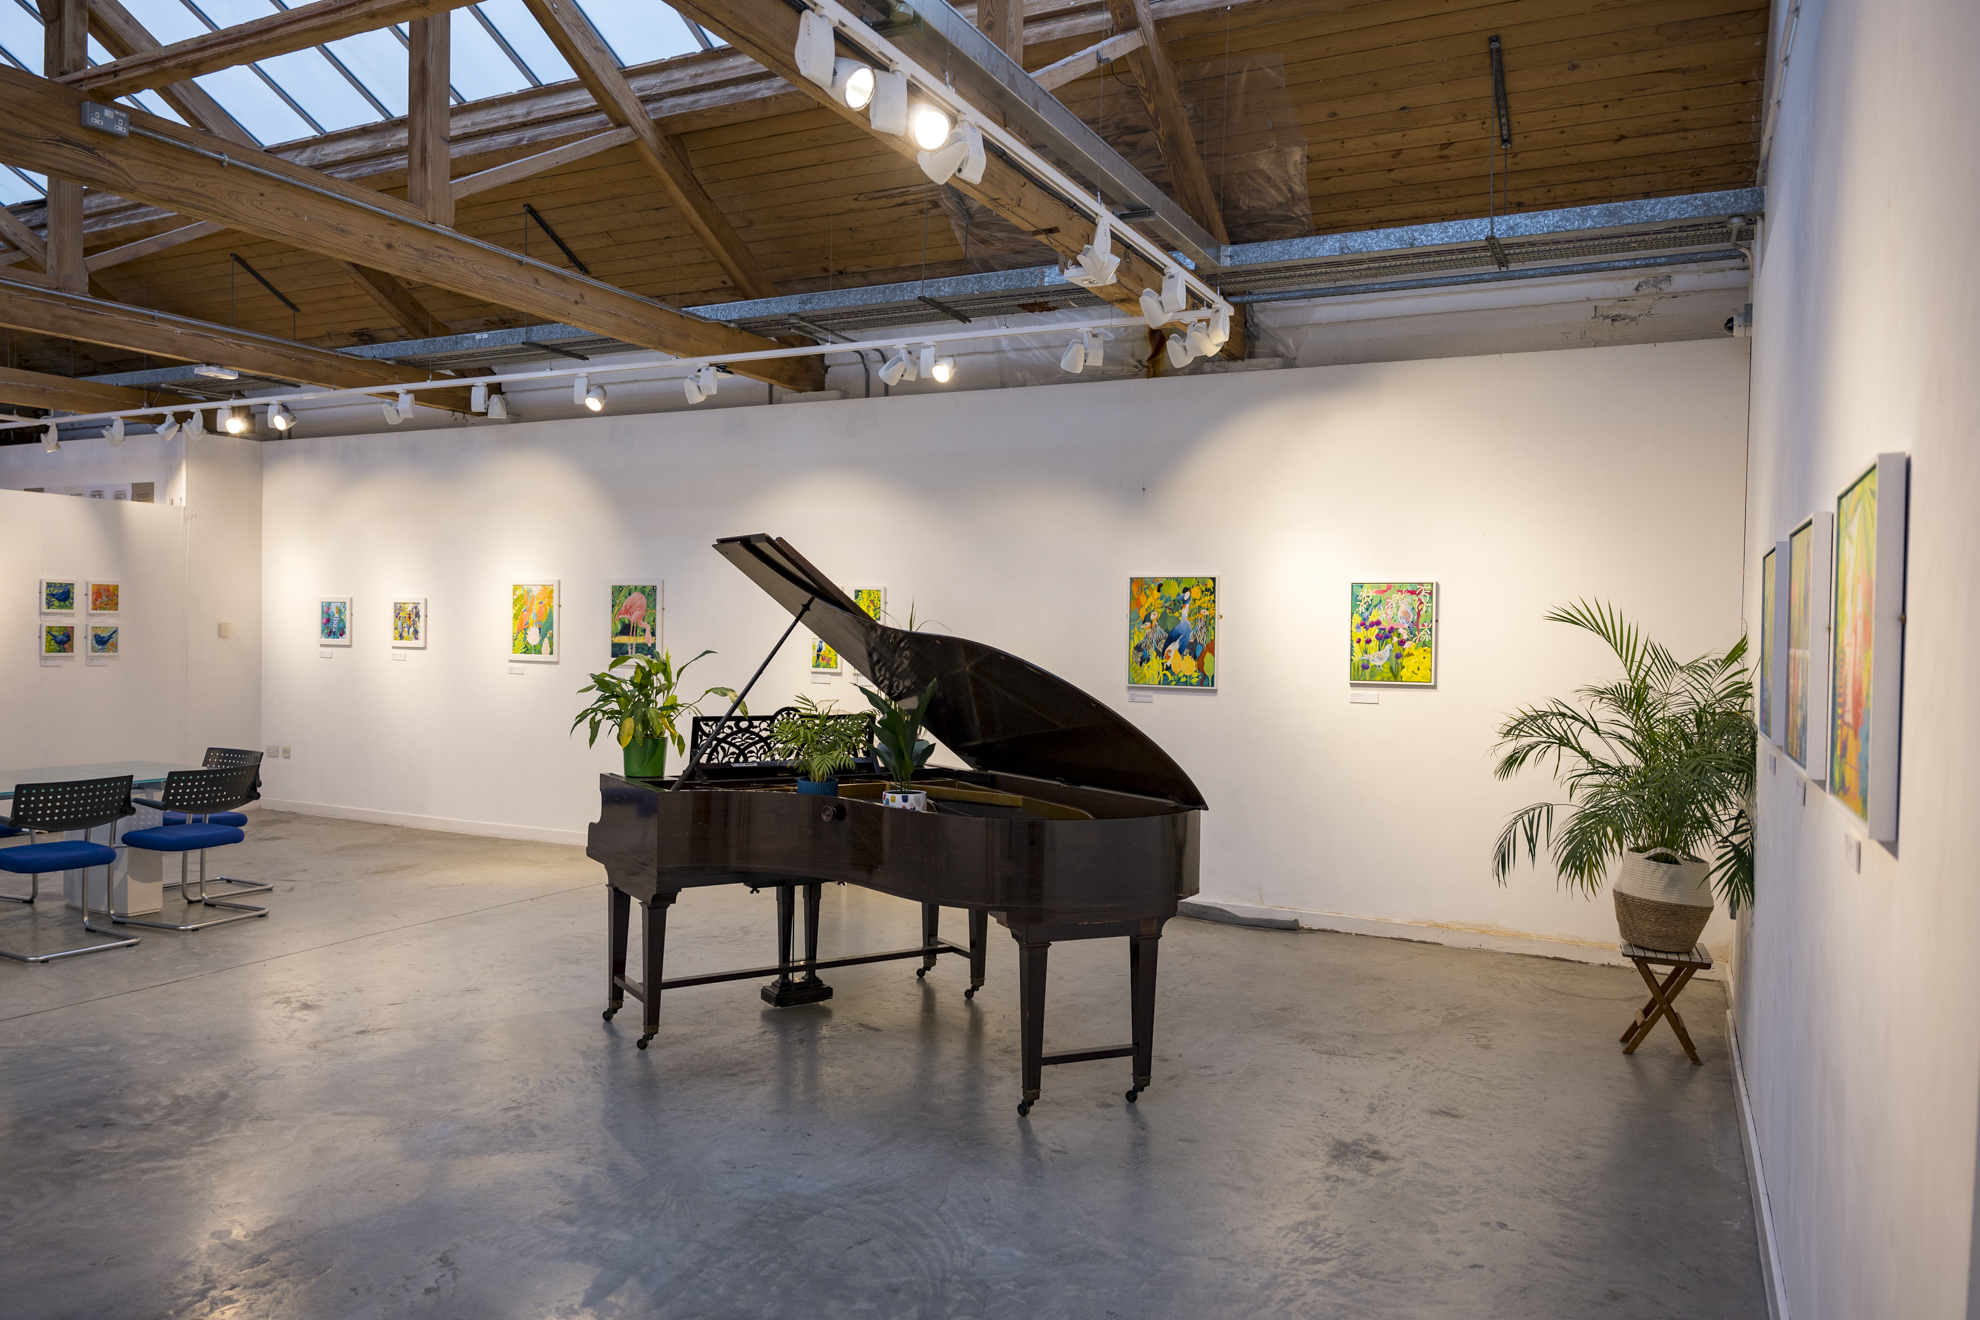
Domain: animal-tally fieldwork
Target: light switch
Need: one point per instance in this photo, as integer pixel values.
(285, 751)
(272, 752)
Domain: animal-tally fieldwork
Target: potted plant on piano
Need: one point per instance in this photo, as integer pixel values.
(899, 744)
(644, 707)
(821, 741)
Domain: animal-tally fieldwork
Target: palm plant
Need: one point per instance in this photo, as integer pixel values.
(643, 704)
(898, 741)
(1660, 761)
(819, 738)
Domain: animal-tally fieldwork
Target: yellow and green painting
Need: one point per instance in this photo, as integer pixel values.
(1172, 632)
(1856, 603)
(824, 660)
(1392, 633)
(58, 639)
(409, 623)
(871, 599)
(1767, 645)
(1800, 545)
(533, 620)
(636, 619)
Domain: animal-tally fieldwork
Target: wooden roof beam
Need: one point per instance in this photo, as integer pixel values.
(65, 46)
(1155, 78)
(144, 247)
(36, 389)
(1082, 62)
(185, 170)
(398, 302)
(278, 34)
(568, 29)
(123, 35)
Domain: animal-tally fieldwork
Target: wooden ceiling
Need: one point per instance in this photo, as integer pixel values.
(1312, 116)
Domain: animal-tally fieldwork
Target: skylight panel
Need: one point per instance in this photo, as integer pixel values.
(639, 31)
(233, 13)
(475, 64)
(21, 35)
(321, 90)
(14, 189)
(167, 20)
(523, 33)
(155, 104)
(257, 109)
(378, 61)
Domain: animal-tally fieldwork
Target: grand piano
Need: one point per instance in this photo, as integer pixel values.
(1066, 823)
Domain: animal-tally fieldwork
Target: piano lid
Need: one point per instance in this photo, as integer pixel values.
(993, 709)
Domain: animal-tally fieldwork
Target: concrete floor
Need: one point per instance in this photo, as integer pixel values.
(395, 1097)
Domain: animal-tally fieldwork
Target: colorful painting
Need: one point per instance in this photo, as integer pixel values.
(1172, 632)
(103, 638)
(333, 621)
(1392, 633)
(636, 620)
(824, 660)
(1800, 552)
(1767, 645)
(58, 639)
(873, 600)
(58, 597)
(409, 623)
(1855, 630)
(105, 598)
(533, 621)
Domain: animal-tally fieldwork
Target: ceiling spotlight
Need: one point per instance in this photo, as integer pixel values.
(478, 398)
(961, 152)
(498, 406)
(114, 432)
(1159, 310)
(928, 361)
(944, 371)
(587, 395)
(701, 385)
(167, 428)
(1200, 342)
(897, 367)
(49, 439)
(1096, 347)
(888, 110)
(928, 126)
(236, 421)
(280, 417)
(1180, 352)
(814, 47)
(399, 411)
(1073, 360)
(195, 425)
(1096, 264)
(852, 84)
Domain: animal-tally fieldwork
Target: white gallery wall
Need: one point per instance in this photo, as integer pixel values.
(1016, 517)
(1854, 983)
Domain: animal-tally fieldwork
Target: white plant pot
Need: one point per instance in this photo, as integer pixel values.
(1661, 905)
(914, 801)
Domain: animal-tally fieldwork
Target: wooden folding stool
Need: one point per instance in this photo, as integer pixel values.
(1663, 997)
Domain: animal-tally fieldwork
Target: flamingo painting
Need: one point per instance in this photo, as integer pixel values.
(635, 619)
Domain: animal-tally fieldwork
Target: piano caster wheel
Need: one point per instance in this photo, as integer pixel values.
(609, 1012)
(643, 1040)
(970, 993)
(1134, 1095)
(1024, 1108)
(920, 972)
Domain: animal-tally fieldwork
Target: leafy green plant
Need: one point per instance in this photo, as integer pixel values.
(1660, 761)
(643, 703)
(819, 737)
(898, 741)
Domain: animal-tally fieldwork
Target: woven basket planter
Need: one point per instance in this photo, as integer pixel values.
(1662, 905)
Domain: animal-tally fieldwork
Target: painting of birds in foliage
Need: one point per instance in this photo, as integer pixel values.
(1392, 633)
(1172, 632)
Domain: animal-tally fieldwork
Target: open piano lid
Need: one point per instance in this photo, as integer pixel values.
(996, 711)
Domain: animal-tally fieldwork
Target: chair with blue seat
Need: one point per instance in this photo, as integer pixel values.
(64, 808)
(195, 796)
(226, 756)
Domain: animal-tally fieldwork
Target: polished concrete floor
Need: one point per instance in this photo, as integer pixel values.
(395, 1097)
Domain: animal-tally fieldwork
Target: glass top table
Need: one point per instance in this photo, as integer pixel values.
(144, 774)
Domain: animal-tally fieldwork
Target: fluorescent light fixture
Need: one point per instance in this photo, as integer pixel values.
(897, 367)
(498, 406)
(280, 417)
(1096, 265)
(888, 110)
(586, 395)
(114, 432)
(701, 385)
(1073, 360)
(927, 126)
(814, 48)
(960, 153)
(50, 438)
(945, 370)
(216, 373)
(478, 398)
(852, 84)
(167, 428)
(235, 421)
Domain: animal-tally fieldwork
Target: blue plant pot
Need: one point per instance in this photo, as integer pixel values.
(821, 788)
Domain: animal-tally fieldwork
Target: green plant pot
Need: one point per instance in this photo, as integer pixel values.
(646, 758)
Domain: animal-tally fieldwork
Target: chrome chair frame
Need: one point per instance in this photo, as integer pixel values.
(118, 940)
(201, 783)
(217, 757)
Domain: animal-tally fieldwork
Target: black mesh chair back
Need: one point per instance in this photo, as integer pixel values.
(217, 757)
(217, 788)
(73, 804)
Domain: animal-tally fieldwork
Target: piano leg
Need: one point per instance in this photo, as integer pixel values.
(931, 930)
(617, 911)
(788, 990)
(812, 894)
(1141, 975)
(1031, 1014)
(979, 938)
(654, 939)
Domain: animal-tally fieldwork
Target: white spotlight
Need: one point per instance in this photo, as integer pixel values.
(498, 406)
(928, 361)
(1179, 351)
(1073, 360)
(280, 417)
(701, 385)
(1220, 329)
(814, 48)
(1096, 348)
(1160, 309)
(114, 432)
(852, 84)
(195, 425)
(586, 395)
(945, 370)
(960, 153)
(928, 126)
(1200, 342)
(478, 398)
(167, 428)
(401, 410)
(235, 422)
(888, 110)
(1096, 264)
(896, 367)
(50, 439)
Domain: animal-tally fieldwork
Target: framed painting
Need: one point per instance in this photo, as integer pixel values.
(409, 623)
(106, 598)
(58, 639)
(1809, 547)
(58, 597)
(873, 600)
(635, 619)
(1766, 711)
(824, 660)
(534, 608)
(1866, 688)
(1392, 633)
(333, 621)
(104, 638)
(1775, 628)
(1172, 632)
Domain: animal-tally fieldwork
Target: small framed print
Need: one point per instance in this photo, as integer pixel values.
(1810, 559)
(635, 622)
(58, 597)
(58, 639)
(333, 621)
(1392, 633)
(106, 598)
(534, 622)
(104, 639)
(873, 600)
(409, 623)
(824, 660)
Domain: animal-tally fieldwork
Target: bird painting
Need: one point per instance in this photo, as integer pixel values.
(1172, 632)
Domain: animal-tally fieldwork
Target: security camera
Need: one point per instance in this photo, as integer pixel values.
(1740, 324)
